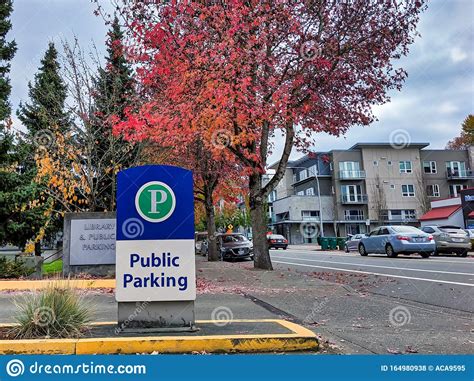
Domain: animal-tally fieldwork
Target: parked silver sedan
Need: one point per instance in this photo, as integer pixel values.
(352, 243)
(449, 239)
(397, 239)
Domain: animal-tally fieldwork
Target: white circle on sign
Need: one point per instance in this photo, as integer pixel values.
(159, 205)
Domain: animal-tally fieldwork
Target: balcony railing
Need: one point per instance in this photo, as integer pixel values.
(459, 174)
(354, 199)
(399, 219)
(354, 218)
(351, 175)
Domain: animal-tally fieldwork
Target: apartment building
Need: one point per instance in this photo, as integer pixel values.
(351, 191)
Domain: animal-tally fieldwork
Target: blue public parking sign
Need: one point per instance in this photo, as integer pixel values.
(155, 234)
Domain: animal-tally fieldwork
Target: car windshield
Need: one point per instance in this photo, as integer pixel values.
(276, 236)
(452, 230)
(406, 229)
(234, 238)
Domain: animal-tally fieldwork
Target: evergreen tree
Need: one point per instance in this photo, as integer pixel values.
(46, 110)
(114, 92)
(43, 117)
(18, 220)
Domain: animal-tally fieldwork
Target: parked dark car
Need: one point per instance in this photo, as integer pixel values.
(276, 241)
(449, 239)
(352, 243)
(234, 246)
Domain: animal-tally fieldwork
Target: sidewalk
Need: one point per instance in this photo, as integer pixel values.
(339, 307)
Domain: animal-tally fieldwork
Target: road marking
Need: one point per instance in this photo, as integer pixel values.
(382, 267)
(337, 254)
(379, 274)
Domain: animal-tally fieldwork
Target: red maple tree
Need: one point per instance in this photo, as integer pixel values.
(261, 68)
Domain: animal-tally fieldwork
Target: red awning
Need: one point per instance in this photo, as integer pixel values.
(440, 213)
(471, 214)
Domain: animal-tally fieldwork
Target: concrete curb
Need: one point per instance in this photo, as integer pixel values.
(300, 339)
(22, 285)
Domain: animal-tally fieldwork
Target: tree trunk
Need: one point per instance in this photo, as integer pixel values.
(38, 249)
(212, 252)
(259, 225)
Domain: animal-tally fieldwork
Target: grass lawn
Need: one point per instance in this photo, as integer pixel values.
(53, 267)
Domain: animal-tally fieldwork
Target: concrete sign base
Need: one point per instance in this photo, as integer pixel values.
(173, 316)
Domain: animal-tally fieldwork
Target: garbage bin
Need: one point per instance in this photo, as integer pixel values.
(332, 243)
(324, 243)
(341, 242)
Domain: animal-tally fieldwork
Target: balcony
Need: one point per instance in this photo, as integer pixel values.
(354, 218)
(399, 220)
(351, 175)
(354, 199)
(459, 174)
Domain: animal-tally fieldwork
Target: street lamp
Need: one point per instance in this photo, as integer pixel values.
(315, 175)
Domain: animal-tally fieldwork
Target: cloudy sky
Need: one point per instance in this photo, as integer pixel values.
(437, 96)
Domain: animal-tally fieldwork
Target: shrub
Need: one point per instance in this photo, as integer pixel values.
(57, 312)
(13, 269)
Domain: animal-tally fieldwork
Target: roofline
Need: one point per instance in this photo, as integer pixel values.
(438, 218)
(392, 145)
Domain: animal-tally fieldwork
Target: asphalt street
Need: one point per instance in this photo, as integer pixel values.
(444, 281)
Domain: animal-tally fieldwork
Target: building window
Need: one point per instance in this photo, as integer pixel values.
(432, 190)
(300, 193)
(272, 196)
(408, 190)
(351, 193)
(455, 189)
(309, 215)
(405, 167)
(310, 192)
(392, 186)
(376, 163)
(389, 162)
(313, 170)
(303, 174)
(353, 215)
(409, 214)
(397, 215)
(429, 167)
(456, 168)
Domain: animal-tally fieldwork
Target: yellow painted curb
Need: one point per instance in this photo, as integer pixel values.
(22, 285)
(299, 339)
(38, 347)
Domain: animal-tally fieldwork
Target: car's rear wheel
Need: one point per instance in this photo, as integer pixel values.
(346, 249)
(390, 252)
(462, 253)
(425, 255)
(362, 250)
